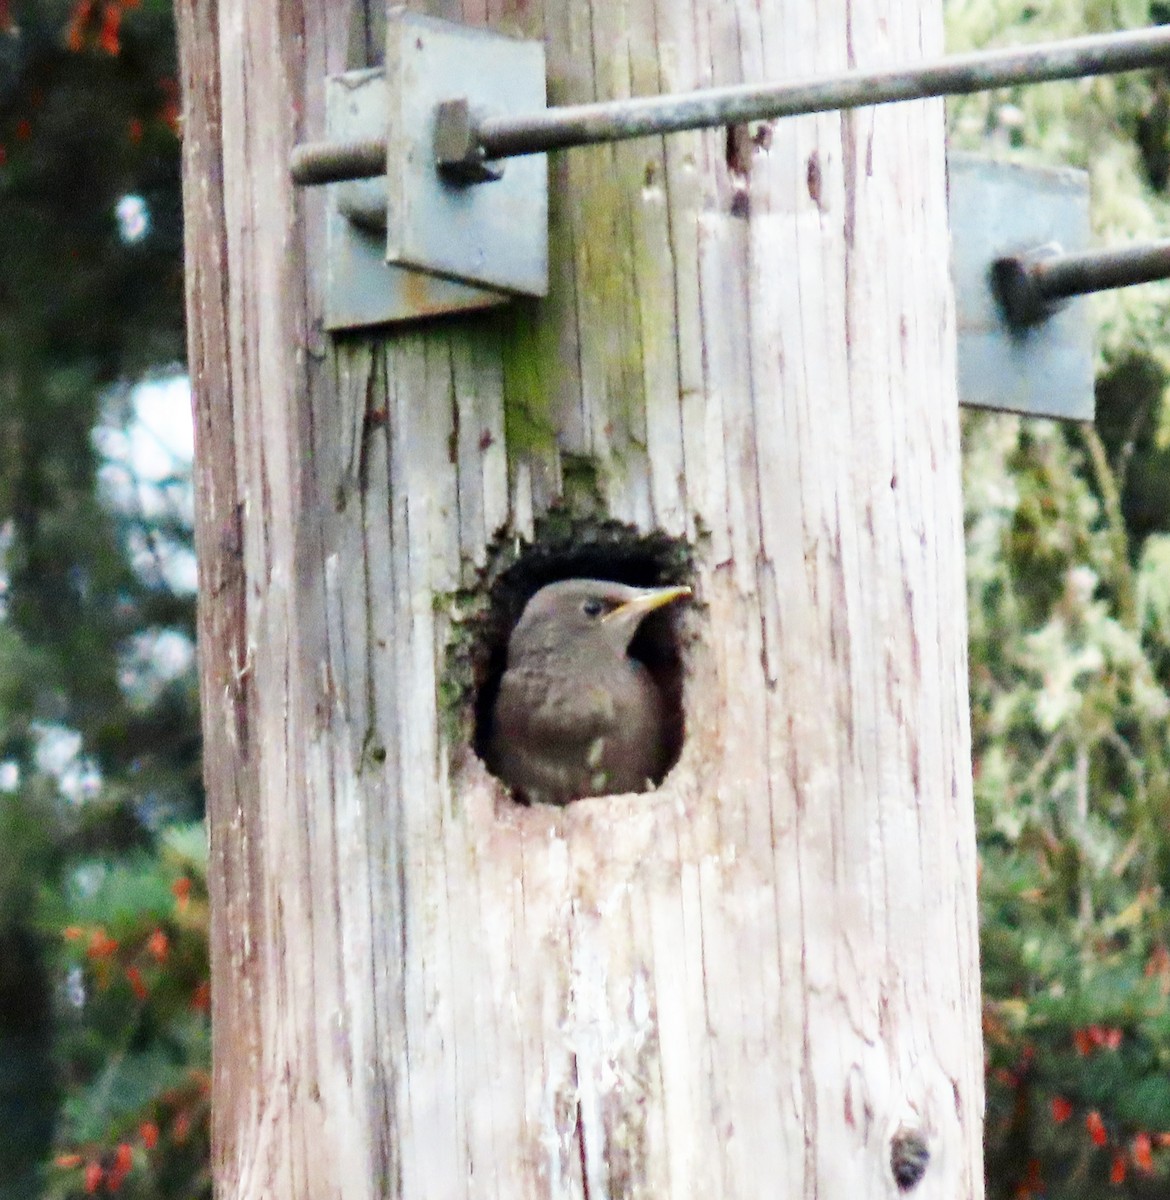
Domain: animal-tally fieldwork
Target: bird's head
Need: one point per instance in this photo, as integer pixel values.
(595, 613)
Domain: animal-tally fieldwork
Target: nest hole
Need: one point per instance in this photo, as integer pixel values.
(611, 552)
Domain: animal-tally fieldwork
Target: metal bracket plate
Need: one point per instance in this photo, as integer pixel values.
(493, 233)
(999, 209)
(362, 289)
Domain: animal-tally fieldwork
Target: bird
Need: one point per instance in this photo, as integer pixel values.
(576, 716)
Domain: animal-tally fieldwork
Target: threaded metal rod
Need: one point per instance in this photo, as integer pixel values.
(335, 162)
(617, 120)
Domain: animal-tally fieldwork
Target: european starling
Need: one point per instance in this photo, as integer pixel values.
(576, 715)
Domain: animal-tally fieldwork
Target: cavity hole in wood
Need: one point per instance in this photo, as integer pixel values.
(585, 549)
(909, 1158)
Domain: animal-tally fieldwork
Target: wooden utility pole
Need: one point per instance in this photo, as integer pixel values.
(761, 980)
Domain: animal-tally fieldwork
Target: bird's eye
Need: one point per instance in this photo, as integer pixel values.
(593, 607)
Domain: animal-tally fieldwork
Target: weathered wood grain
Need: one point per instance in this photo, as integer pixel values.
(743, 984)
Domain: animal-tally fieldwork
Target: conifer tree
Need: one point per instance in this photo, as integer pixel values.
(102, 967)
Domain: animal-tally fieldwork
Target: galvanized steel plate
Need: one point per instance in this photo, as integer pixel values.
(494, 234)
(362, 289)
(999, 209)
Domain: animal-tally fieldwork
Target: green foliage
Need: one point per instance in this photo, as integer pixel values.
(103, 1034)
(1068, 553)
(1069, 709)
(133, 1035)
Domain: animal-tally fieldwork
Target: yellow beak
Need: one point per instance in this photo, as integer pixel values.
(648, 601)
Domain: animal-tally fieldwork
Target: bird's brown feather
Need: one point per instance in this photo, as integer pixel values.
(575, 715)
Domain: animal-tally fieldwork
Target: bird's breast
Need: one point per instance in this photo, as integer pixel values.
(563, 734)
